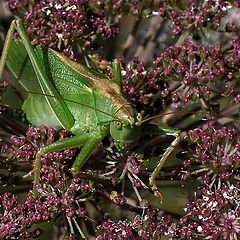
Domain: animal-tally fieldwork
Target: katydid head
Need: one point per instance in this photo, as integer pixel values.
(126, 131)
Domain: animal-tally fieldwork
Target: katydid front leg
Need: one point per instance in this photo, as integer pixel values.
(156, 172)
(158, 130)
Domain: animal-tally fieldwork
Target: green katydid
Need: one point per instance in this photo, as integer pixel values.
(65, 94)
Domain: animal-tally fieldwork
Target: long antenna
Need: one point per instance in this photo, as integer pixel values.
(73, 101)
(103, 112)
(164, 114)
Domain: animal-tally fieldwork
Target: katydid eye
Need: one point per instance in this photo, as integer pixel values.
(118, 124)
(139, 117)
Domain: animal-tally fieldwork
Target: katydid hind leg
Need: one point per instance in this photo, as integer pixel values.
(88, 140)
(6, 47)
(56, 103)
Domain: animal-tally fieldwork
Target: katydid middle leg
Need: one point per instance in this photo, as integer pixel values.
(89, 142)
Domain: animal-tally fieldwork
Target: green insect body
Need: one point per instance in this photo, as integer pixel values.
(65, 94)
(95, 102)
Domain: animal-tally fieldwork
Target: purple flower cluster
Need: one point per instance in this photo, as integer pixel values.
(59, 24)
(173, 78)
(191, 14)
(17, 218)
(148, 225)
(26, 148)
(57, 193)
(217, 213)
(217, 153)
(124, 168)
(214, 212)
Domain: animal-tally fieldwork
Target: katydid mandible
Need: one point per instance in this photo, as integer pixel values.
(65, 94)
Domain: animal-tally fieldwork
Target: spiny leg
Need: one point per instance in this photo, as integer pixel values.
(7, 46)
(156, 172)
(86, 151)
(72, 142)
(89, 140)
